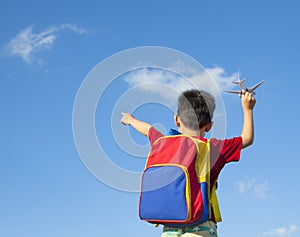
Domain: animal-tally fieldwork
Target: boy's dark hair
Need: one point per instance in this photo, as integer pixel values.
(196, 108)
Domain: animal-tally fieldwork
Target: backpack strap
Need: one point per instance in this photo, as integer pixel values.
(205, 176)
(215, 204)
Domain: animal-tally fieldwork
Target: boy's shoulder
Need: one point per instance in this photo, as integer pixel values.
(227, 150)
(153, 134)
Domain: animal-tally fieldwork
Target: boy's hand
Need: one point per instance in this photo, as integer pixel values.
(248, 101)
(140, 126)
(126, 118)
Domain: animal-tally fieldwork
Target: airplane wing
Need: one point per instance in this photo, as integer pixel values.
(234, 92)
(257, 85)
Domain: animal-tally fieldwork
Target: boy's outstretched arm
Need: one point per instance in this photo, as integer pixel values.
(140, 126)
(248, 103)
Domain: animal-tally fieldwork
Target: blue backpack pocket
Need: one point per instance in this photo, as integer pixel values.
(165, 194)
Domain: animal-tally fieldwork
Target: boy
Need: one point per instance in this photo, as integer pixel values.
(194, 118)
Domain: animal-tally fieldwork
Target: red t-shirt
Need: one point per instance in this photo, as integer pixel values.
(221, 152)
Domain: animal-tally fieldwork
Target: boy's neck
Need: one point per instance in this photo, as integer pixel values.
(190, 132)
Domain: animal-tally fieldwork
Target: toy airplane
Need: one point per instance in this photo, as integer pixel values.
(241, 83)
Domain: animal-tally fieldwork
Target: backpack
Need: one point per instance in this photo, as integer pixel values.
(175, 185)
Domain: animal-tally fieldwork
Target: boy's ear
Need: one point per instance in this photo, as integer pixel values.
(177, 120)
(208, 126)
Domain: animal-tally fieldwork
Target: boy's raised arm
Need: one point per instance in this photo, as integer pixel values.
(140, 126)
(248, 103)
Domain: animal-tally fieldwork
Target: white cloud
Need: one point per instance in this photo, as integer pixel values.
(212, 80)
(149, 80)
(250, 186)
(245, 185)
(282, 231)
(261, 190)
(27, 43)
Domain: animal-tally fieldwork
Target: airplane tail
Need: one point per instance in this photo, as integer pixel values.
(239, 82)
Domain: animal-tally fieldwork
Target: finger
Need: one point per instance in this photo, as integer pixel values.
(248, 95)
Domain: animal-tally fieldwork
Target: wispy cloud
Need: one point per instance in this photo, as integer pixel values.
(249, 186)
(212, 79)
(28, 43)
(282, 231)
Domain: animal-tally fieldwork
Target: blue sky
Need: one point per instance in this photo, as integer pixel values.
(48, 48)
